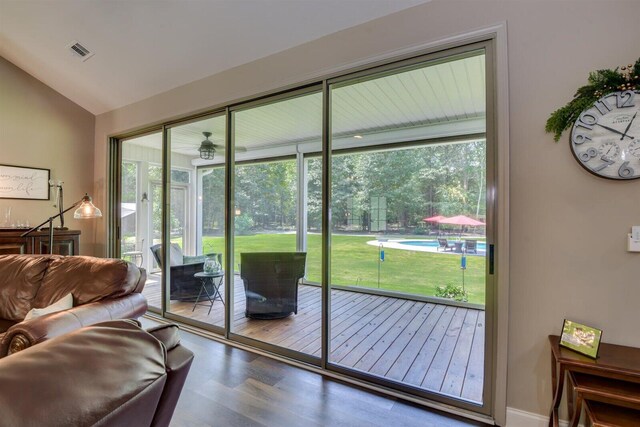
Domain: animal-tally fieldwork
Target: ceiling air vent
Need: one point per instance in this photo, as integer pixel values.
(80, 51)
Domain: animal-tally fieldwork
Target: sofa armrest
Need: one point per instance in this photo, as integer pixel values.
(28, 333)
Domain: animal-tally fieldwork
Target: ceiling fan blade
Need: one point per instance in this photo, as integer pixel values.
(219, 147)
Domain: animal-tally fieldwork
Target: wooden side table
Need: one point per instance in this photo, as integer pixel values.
(619, 364)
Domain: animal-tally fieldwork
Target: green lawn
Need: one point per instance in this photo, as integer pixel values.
(354, 263)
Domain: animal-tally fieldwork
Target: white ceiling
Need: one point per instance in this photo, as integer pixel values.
(146, 47)
(442, 98)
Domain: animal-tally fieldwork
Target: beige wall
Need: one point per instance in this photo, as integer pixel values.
(568, 228)
(41, 128)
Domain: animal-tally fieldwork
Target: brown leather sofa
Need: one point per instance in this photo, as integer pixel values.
(103, 289)
(109, 374)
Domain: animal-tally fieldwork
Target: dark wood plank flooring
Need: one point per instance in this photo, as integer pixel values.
(231, 387)
(436, 347)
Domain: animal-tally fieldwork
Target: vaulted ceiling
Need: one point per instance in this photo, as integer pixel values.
(145, 47)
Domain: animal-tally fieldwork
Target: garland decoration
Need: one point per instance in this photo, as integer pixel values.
(601, 82)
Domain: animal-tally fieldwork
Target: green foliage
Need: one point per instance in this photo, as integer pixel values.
(600, 83)
(243, 224)
(452, 291)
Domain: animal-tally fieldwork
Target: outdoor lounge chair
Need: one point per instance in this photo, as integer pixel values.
(444, 245)
(471, 246)
(184, 286)
(271, 283)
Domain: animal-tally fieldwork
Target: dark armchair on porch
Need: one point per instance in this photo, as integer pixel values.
(271, 282)
(184, 286)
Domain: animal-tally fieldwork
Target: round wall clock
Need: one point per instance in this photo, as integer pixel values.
(605, 139)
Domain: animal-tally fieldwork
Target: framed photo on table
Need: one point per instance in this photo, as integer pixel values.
(581, 338)
(18, 182)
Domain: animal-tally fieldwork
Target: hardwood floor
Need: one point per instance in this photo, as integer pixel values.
(436, 347)
(231, 387)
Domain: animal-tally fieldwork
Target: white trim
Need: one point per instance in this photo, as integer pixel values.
(501, 314)
(518, 418)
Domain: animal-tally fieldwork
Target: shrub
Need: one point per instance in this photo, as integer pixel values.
(243, 224)
(452, 291)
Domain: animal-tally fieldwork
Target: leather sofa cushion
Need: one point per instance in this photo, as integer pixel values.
(88, 279)
(5, 324)
(110, 374)
(20, 280)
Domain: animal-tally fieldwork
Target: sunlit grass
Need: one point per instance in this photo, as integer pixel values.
(355, 263)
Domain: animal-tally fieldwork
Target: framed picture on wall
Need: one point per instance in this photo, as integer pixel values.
(18, 182)
(581, 338)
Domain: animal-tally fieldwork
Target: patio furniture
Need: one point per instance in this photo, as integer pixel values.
(214, 280)
(444, 245)
(271, 283)
(184, 286)
(471, 246)
(134, 255)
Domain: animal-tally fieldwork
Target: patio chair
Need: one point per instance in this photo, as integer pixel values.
(471, 246)
(444, 245)
(271, 283)
(184, 286)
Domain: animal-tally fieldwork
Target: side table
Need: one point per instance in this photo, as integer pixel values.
(215, 281)
(615, 367)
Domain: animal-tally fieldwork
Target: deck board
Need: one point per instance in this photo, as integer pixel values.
(433, 346)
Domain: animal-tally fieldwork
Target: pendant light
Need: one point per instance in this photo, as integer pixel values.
(207, 149)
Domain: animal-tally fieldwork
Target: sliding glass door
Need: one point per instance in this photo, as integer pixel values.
(141, 209)
(347, 224)
(274, 308)
(408, 230)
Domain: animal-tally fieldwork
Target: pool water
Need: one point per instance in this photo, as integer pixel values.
(434, 243)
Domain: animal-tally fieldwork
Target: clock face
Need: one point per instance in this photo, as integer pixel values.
(606, 137)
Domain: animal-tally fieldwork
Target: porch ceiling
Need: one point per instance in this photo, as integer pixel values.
(443, 99)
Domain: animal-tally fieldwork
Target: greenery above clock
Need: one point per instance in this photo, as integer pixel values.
(601, 82)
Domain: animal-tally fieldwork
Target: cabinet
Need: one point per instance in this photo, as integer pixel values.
(65, 242)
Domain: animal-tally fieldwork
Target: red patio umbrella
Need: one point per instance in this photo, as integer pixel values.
(461, 220)
(436, 218)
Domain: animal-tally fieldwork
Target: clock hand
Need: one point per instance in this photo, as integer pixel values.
(628, 126)
(614, 130)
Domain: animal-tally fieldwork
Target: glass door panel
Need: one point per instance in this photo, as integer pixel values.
(274, 307)
(408, 239)
(196, 221)
(141, 209)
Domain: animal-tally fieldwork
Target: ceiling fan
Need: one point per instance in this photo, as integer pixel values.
(208, 148)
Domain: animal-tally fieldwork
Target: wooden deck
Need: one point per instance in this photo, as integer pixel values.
(432, 346)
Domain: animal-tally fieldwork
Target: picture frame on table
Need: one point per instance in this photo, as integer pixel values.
(24, 183)
(581, 338)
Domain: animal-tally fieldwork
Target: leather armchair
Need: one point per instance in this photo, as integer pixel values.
(102, 289)
(108, 374)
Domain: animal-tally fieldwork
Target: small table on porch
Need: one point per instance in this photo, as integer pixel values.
(215, 281)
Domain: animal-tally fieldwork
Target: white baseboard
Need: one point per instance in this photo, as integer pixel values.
(518, 418)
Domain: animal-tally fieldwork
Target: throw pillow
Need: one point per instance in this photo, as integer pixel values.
(63, 304)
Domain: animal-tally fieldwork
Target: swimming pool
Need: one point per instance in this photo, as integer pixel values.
(433, 243)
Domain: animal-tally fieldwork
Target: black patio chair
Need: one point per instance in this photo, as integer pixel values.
(183, 285)
(271, 283)
(444, 245)
(471, 246)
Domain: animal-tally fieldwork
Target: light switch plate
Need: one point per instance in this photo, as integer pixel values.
(633, 245)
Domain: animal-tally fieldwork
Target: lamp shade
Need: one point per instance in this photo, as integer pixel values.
(87, 209)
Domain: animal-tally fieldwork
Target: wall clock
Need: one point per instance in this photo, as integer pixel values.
(605, 139)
